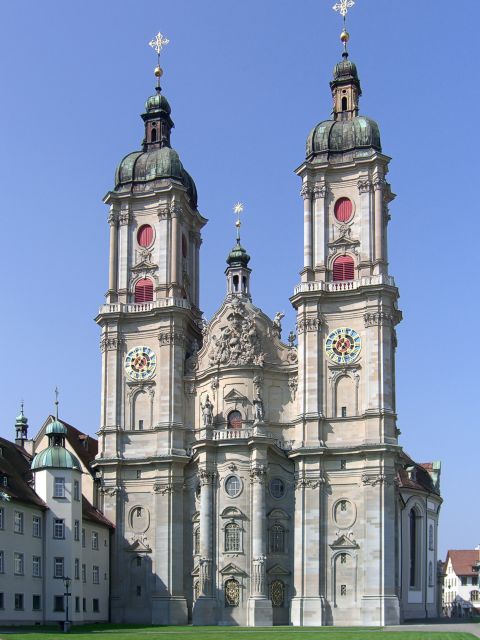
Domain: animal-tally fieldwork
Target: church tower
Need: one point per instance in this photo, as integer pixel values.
(149, 324)
(346, 305)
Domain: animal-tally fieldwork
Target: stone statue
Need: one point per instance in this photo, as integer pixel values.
(292, 336)
(277, 323)
(207, 412)
(259, 413)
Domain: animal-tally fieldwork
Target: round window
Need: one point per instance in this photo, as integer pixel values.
(277, 488)
(234, 420)
(233, 486)
(343, 209)
(145, 235)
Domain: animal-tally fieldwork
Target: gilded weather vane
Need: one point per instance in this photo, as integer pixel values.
(237, 210)
(158, 43)
(342, 7)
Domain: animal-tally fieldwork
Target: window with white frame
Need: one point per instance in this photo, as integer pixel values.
(76, 574)
(277, 538)
(36, 527)
(58, 529)
(95, 540)
(58, 567)
(18, 521)
(95, 574)
(36, 566)
(59, 488)
(18, 564)
(76, 530)
(76, 490)
(18, 600)
(232, 537)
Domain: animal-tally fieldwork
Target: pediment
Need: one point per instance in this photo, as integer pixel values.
(139, 547)
(232, 570)
(344, 241)
(232, 512)
(236, 397)
(278, 570)
(344, 542)
(144, 265)
(278, 514)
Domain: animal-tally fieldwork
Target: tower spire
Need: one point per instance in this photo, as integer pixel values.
(157, 44)
(57, 393)
(238, 273)
(342, 7)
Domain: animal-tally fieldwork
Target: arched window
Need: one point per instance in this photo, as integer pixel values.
(430, 574)
(277, 539)
(232, 537)
(277, 593)
(232, 593)
(343, 209)
(196, 541)
(234, 420)
(154, 134)
(144, 290)
(414, 548)
(343, 268)
(145, 235)
(344, 104)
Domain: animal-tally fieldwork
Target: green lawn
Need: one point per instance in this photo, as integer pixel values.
(132, 632)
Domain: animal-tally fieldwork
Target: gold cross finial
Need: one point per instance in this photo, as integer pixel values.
(342, 7)
(158, 43)
(238, 209)
(57, 393)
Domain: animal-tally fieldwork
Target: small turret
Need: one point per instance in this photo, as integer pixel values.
(237, 272)
(21, 428)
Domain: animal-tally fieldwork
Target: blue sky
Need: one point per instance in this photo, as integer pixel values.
(246, 82)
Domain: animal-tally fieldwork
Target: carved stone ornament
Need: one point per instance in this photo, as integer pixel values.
(258, 473)
(171, 337)
(292, 355)
(110, 343)
(305, 191)
(379, 478)
(338, 372)
(206, 476)
(378, 318)
(364, 186)
(232, 467)
(319, 190)
(379, 183)
(308, 324)
(214, 385)
(258, 383)
(110, 491)
(293, 386)
(112, 218)
(125, 217)
(302, 482)
(191, 363)
(162, 488)
(238, 343)
(134, 386)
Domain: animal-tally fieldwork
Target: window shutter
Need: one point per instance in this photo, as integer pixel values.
(343, 209)
(343, 269)
(144, 290)
(145, 235)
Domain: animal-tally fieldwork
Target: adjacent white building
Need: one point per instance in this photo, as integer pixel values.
(461, 591)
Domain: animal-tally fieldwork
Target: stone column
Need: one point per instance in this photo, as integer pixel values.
(175, 246)
(320, 217)
(204, 610)
(306, 194)
(366, 249)
(123, 254)
(378, 185)
(113, 262)
(259, 606)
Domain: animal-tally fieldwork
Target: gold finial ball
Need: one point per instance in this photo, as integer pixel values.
(344, 37)
(238, 224)
(158, 72)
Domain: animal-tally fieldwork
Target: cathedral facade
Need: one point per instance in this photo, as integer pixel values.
(255, 480)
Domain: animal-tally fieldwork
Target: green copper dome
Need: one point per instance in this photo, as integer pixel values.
(345, 70)
(21, 419)
(56, 427)
(157, 103)
(238, 257)
(55, 457)
(344, 135)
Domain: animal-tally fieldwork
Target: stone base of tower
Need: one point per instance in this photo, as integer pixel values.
(259, 611)
(204, 612)
(380, 610)
(307, 612)
(169, 610)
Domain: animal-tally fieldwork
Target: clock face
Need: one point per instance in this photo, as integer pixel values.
(343, 346)
(140, 363)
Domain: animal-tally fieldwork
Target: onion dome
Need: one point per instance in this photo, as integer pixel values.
(345, 71)
(55, 457)
(140, 170)
(339, 136)
(238, 257)
(56, 428)
(21, 420)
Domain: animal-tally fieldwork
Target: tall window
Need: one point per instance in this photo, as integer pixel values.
(36, 566)
(196, 541)
(18, 602)
(37, 527)
(277, 539)
(2, 517)
(18, 522)
(430, 574)
(58, 603)
(343, 268)
(232, 537)
(84, 572)
(58, 529)
(95, 540)
(144, 290)
(95, 574)
(58, 564)
(76, 530)
(59, 488)
(76, 490)
(18, 564)
(77, 569)
(2, 564)
(232, 593)
(36, 602)
(413, 525)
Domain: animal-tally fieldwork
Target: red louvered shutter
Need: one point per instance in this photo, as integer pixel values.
(343, 209)
(343, 268)
(144, 290)
(145, 235)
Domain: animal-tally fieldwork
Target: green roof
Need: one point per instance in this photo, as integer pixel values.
(55, 457)
(344, 135)
(56, 427)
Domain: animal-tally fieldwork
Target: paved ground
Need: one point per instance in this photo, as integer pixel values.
(442, 624)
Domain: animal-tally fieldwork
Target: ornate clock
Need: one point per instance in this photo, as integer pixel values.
(343, 345)
(140, 363)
